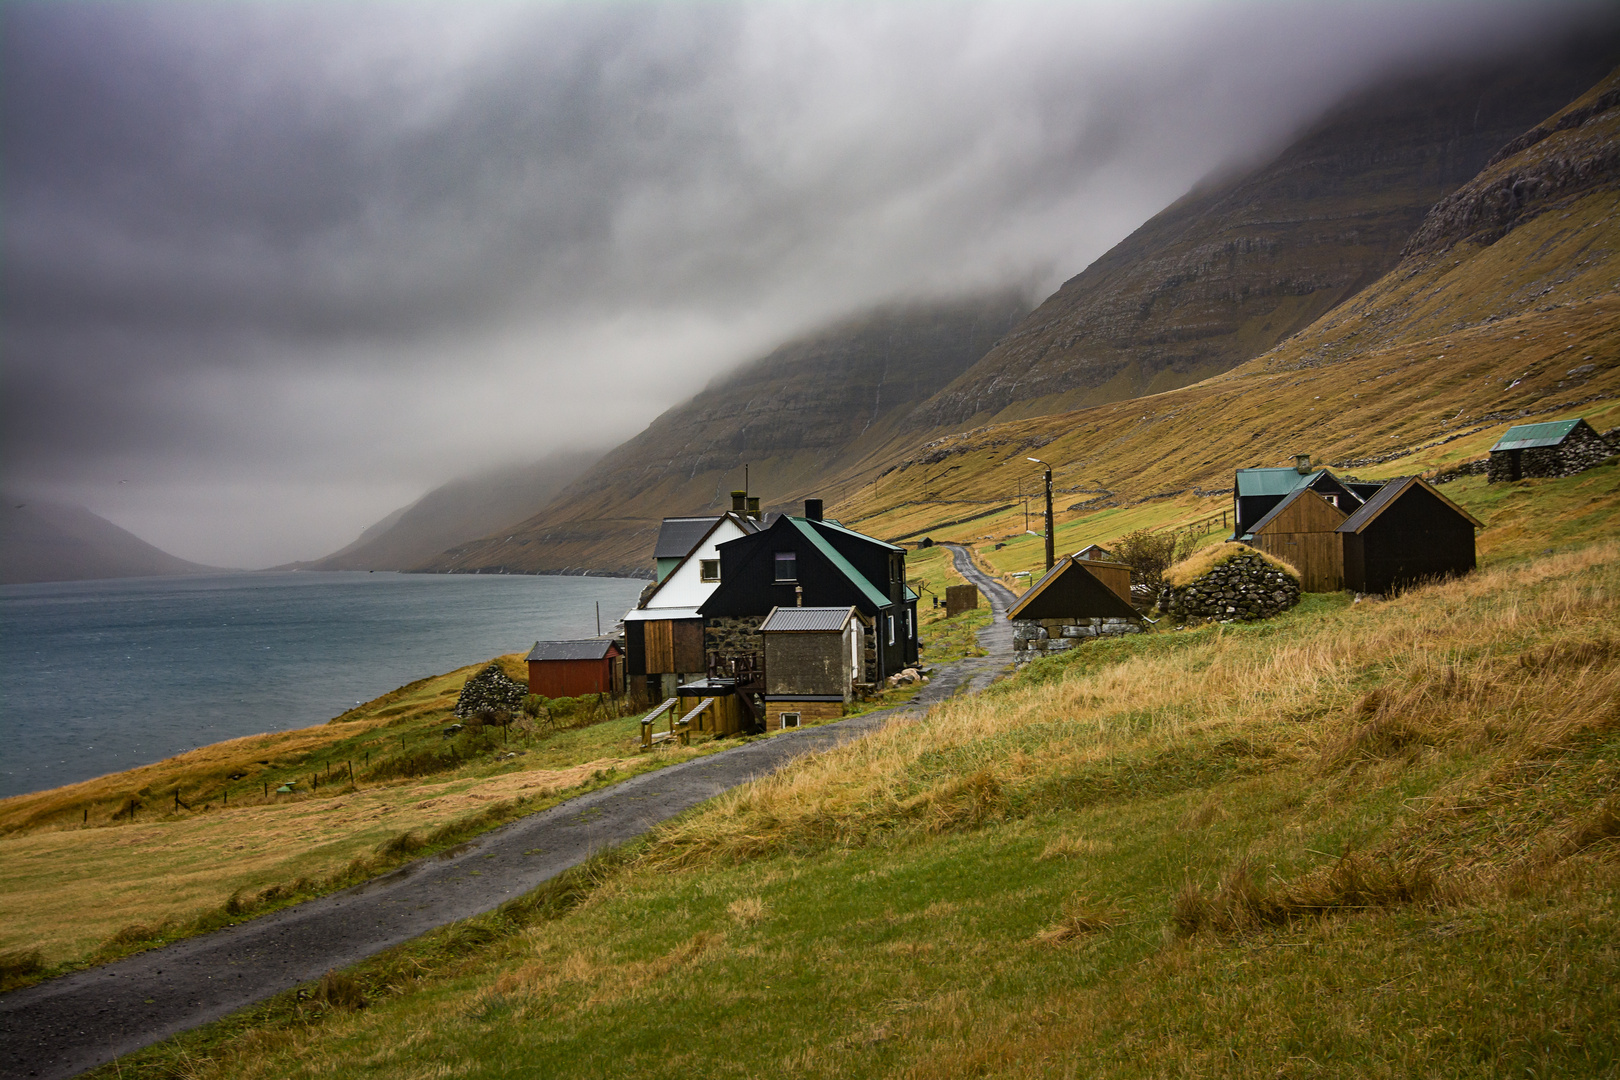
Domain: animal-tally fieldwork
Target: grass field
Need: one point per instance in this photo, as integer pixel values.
(1361, 839)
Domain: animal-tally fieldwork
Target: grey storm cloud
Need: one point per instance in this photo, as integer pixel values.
(290, 249)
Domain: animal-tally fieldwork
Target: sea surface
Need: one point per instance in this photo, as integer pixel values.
(100, 676)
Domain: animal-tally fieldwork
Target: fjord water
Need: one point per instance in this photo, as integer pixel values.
(99, 676)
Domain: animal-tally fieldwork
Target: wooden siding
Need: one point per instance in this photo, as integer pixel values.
(807, 710)
(671, 646)
(1117, 576)
(573, 678)
(1303, 534)
(1418, 537)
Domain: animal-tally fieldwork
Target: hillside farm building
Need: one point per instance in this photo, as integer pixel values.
(814, 656)
(810, 562)
(1076, 598)
(1406, 533)
(572, 668)
(1302, 530)
(1558, 448)
(1258, 491)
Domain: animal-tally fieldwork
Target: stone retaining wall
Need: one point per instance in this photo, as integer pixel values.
(1243, 587)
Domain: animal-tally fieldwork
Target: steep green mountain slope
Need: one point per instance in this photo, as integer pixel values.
(1231, 270)
(795, 417)
(1507, 306)
(46, 541)
(455, 512)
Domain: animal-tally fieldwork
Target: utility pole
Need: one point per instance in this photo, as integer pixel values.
(1051, 550)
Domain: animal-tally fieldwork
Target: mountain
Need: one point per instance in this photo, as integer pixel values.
(1504, 307)
(456, 512)
(798, 418)
(46, 541)
(1233, 268)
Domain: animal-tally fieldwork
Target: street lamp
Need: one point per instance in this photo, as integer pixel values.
(1051, 551)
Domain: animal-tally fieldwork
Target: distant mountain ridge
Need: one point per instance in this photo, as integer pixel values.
(48, 541)
(795, 417)
(453, 512)
(1226, 273)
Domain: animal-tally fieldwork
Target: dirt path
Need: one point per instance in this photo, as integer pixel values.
(67, 1025)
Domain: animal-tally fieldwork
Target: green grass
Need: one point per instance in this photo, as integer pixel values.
(1373, 839)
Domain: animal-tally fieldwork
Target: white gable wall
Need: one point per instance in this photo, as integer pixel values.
(685, 587)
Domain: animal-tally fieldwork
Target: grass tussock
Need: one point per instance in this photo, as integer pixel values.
(1206, 559)
(1079, 917)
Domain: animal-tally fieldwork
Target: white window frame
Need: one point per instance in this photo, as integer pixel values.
(891, 629)
(788, 720)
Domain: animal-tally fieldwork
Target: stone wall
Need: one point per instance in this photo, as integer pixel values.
(1457, 472)
(1243, 587)
(1032, 639)
(1582, 449)
(491, 688)
(734, 635)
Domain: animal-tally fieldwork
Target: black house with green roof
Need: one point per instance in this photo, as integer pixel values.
(810, 562)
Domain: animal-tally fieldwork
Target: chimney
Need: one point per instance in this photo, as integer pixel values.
(798, 596)
(753, 507)
(812, 509)
(739, 502)
(1302, 464)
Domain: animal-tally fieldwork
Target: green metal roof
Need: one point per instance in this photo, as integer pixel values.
(1526, 436)
(1273, 481)
(844, 566)
(829, 524)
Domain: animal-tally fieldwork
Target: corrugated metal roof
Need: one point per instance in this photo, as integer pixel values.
(591, 649)
(1526, 436)
(1272, 481)
(807, 618)
(678, 536)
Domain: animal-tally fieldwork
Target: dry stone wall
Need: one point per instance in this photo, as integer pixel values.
(1582, 449)
(1244, 587)
(491, 688)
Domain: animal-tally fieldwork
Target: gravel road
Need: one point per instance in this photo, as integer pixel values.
(70, 1024)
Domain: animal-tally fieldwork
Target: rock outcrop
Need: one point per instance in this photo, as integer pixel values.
(1244, 587)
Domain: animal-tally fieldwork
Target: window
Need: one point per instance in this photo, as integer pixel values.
(790, 719)
(787, 566)
(891, 629)
(911, 631)
(709, 569)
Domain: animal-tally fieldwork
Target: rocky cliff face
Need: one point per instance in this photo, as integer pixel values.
(1231, 270)
(1574, 152)
(797, 417)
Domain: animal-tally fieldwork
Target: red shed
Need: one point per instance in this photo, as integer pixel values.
(572, 668)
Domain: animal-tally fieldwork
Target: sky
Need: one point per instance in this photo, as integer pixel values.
(273, 270)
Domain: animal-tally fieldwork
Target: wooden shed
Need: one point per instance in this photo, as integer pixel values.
(572, 668)
(1076, 589)
(1303, 530)
(1405, 534)
(714, 706)
(814, 656)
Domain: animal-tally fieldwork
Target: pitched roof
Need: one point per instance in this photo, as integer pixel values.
(1386, 496)
(1288, 500)
(1273, 481)
(679, 535)
(1526, 436)
(845, 567)
(1098, 596)
(827, 523)
(808, 618)
(590, 649)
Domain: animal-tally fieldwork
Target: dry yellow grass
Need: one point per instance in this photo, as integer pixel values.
(1459, 655)
(105, 877)
(1206, 559)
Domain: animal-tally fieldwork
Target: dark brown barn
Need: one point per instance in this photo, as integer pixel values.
(1405, 534)
(572, 668)
(1303, 530)
(1078, 589)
